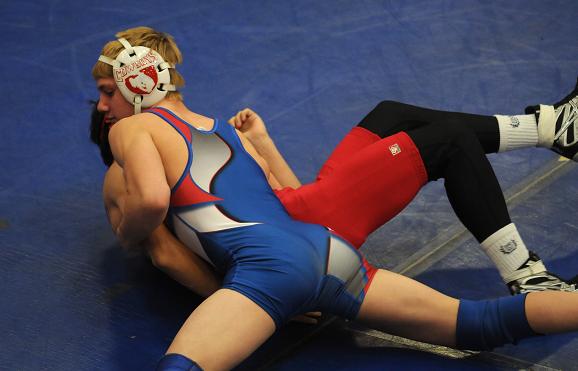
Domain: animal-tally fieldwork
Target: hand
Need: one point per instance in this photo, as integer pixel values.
(250, 124)
(311, 318)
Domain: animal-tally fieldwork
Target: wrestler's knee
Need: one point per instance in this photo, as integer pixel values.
(454, 141)
(388, 107)
(384, 119)
(390, 117)
(459, 135)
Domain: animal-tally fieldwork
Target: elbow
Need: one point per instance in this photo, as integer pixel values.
(162, 257)
(156, 204)
(157, 198)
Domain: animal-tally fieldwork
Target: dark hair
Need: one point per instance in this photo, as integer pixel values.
(99, 134)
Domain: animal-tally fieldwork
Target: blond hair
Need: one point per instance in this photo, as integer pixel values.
(161, 42)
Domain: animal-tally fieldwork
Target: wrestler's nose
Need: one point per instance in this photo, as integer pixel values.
(103, 105)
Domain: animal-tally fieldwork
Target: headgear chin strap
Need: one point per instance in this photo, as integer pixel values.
(141, 74)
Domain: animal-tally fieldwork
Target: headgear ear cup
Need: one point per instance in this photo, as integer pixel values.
(141, 74)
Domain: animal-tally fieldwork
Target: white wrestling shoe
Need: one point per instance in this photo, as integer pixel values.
(533, 276)
(558, 125)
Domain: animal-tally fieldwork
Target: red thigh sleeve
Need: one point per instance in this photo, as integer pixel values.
(357, 139)
(363, 191)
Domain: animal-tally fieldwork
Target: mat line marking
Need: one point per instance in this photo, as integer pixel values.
(489, 357)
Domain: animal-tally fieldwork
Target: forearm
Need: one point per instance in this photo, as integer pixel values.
(139, 219)
(201, 281)
(266, 147)
(180, 263)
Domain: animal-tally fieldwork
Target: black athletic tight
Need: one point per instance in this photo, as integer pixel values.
(453, 147)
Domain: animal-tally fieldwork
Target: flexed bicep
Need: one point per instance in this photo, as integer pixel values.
(143, 170)
(147, 192)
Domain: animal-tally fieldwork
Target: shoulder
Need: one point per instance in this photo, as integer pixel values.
(127, 129)
(131, 123)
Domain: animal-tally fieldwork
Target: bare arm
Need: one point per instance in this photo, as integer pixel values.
(166, 252)
(114, 194)
(253, 127)
(180, 263)
(147, 193)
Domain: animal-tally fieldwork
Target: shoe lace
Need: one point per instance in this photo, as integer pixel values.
(546, 281)
(569, 117)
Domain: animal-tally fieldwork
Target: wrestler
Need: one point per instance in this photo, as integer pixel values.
(443, 138)
(211, 183)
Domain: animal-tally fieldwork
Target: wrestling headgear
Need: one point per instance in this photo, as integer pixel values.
(141, 74)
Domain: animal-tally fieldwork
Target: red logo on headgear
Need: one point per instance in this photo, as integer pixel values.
(143, 82)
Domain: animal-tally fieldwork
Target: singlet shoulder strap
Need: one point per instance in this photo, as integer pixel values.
(182, 127)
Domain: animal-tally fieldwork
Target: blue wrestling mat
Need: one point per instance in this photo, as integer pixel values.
(70, 299)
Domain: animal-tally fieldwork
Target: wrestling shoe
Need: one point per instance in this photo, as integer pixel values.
(533, 276)
(558, 125)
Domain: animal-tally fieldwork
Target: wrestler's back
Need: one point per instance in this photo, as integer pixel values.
(172, 148)
(218, 186)
(221, 198)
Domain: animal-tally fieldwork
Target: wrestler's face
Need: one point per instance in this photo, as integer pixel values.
(111, 102)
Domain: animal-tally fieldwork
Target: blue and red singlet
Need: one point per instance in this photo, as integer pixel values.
(287, 267)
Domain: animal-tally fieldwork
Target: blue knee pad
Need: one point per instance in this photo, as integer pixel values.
(484, 325)
(177, 362)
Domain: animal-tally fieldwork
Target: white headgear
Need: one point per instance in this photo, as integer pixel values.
(141, 74)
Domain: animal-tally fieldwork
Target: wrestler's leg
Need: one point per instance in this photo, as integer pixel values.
(452, 152)
(551, 312)
(364, 192)
(378, 181)
(353, 195)
(495, 133)
(404, 307)
(362, 200)
(224, 330)
(355, 141)
(389, 118)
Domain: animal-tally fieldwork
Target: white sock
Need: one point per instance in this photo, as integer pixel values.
(519, 131)
(506, 249)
